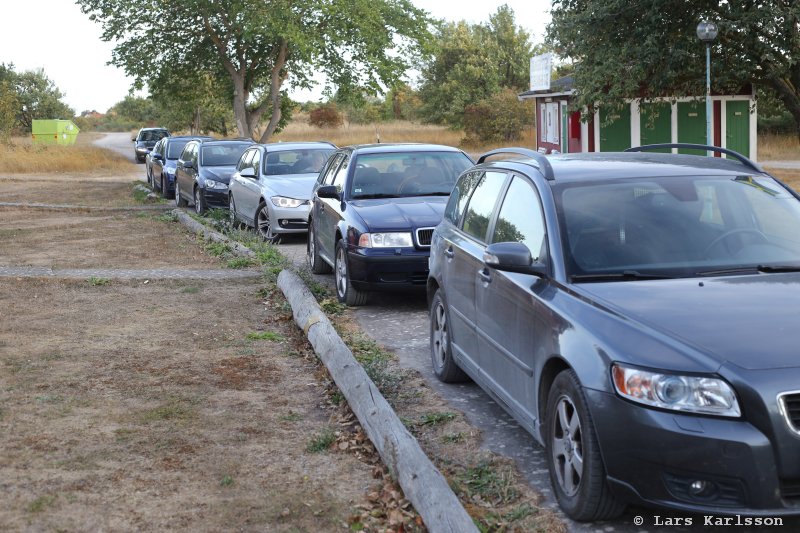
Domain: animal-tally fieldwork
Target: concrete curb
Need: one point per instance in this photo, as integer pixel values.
(422, 483)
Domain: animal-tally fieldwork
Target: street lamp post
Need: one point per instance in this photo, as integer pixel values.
(707, 32)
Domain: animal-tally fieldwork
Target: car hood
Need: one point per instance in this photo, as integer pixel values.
(749, 321)
(387, 214)
(299, 186)
(222, 174)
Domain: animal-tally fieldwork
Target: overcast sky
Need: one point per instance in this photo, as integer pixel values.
(56, 36)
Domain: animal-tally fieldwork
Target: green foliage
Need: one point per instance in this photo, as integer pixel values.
(492, 483)
(240, 262)
(98, 282)
(264, 336)
(9, 104)
(402, 103)
(321, 441)
(500, 117)
(32, 95)
(648, 49)
(471, 63)
(264, 48)
(226, 481)
(326, 116)
(436, 419)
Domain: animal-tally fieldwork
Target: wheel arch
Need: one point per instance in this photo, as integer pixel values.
(553, 367)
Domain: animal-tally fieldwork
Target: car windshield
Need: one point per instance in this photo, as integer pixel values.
(175, 148)
(222, 155)
(678, 227)
(152, 135)
(407, 174)
(288, 162)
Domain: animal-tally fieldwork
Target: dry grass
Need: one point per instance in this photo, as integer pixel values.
(400, 131)
(789, 177)
(22, 156)
(777, 147)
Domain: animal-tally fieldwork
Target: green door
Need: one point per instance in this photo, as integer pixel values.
(616, 136)
(737, 134)
(656, 124)
(692, 125)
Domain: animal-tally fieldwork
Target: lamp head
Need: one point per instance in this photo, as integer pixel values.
(707, 32)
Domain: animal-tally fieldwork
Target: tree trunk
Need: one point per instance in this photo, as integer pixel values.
(276, 81)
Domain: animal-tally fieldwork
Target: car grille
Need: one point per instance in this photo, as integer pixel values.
(424, 236)
(790, 490)
(789, 403)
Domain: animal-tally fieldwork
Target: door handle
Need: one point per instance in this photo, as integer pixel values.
(449, 253)
(485, 276)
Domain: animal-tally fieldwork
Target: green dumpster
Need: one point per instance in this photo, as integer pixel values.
(61, 132)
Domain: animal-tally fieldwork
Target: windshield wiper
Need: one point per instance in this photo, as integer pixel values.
(625, 275)
(766, 269)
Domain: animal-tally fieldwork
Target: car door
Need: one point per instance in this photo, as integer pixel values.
(464, 252)
(247, 188)
(512, 324)
(182, 179)
(236, 185)
(328, 210)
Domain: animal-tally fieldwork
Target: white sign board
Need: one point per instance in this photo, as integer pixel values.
(541, 67)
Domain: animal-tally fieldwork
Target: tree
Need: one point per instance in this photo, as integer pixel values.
(471, 63)
(33, 95)
(9, 104)
(265, 46)
(501, 117)
(649, 49)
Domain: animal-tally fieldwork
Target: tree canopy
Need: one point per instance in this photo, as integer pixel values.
(28, 95)
(265, 47)
(471, 62)
(648, 49)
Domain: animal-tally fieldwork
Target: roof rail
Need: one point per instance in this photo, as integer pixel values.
(736, 155)
(544, 165)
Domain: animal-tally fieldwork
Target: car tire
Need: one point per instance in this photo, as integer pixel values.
(149, 178)
(345, 292)
(263, 224)
(163, 187)
(573, 456)
(315, 261)
(179, 200)
(444, 366)
(232, 218)
(200, 206)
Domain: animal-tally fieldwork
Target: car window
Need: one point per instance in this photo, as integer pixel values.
(288, 162)
(254, 163)
(461, 193)
(326, 177)
(521, 218)
(222, 155)
(186, 154)
(341, 174)
(152, 135)
(175, 147)
(157, 148)
(394, 174)
(481, 204)
(245, 160)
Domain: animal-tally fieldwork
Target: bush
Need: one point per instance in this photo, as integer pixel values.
(500, 117)
(326, 116)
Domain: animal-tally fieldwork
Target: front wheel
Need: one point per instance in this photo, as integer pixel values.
(179, 200)
(345, 292)
(315, 261)
(573, 454)
(264, 224)
(163, 187)
(444, 366)
(200, 206)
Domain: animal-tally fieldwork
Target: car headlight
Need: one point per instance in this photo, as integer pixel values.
(283, 201)
(211, 184)
(695, 394)
(385, 240)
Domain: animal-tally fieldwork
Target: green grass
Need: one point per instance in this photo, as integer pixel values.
(321, 441)
(495, 485)
(453, 438)
(139, 195)
(39, 504)
(240, 262)
(291, 416)
(174, 410)
(226, 481)
(264, 336)
(167, 217)
(435, 419)
(98, 282)
(219, 249)
(190, 290)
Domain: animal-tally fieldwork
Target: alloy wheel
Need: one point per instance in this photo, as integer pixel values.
(341, 272)
(440, 335)
(567, 446)
(263, 224)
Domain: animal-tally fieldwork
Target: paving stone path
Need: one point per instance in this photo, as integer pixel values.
(155, 207)
(125, 273)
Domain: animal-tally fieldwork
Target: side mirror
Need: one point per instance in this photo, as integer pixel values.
(133, 139)
(328, 191)
(157, 157)
(248, 172)
(188, 164)
(513, 257)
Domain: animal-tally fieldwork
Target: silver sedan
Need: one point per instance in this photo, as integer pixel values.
(271, 188)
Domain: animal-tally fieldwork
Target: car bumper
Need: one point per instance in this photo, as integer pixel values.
(652, 457)
(217, 198)
(373, 269)
(290, 219)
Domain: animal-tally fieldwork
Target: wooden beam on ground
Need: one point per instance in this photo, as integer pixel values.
(210, 234)
(424, 486)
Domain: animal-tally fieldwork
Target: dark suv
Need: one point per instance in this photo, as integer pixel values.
(638, 314)
(145, 140)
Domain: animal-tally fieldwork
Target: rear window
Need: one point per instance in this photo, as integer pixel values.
(175, 148)
(152, 135)
(407, 174)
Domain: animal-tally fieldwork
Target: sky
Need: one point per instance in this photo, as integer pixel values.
(56, 36)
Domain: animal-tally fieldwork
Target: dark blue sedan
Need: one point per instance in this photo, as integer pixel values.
(163, 160)
(373, 211)
(204, 171)
(638, 314)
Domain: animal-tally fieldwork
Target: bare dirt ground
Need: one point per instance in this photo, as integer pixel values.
(192, 404)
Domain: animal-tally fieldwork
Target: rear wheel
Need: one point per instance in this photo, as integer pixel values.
(573, 454)
(345, 291)
(232, 220)
(315, 261)
(444, 367)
